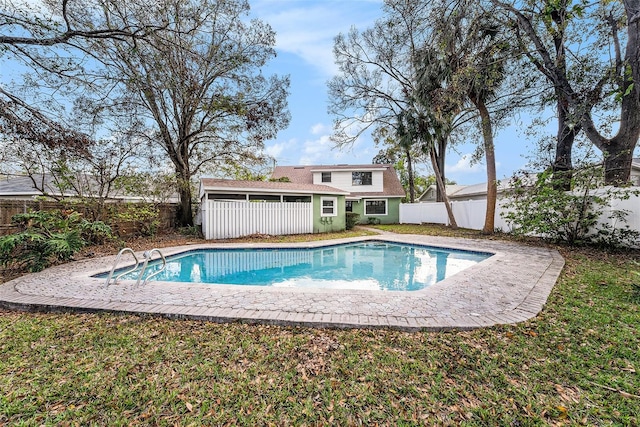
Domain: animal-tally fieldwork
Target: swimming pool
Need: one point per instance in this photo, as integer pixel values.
(370, 265)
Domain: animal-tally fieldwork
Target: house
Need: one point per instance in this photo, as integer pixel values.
(373, 191)
(47, 186)
(479, 191)
(299, 199)
(430, 194)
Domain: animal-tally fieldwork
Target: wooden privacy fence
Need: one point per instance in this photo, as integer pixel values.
(226, 220)
(8, 208)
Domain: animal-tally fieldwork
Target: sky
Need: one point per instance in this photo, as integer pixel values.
(305, 30)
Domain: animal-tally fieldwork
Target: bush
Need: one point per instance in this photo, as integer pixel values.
(373, 221)
(48, 237)
(352, 219)
(143, 217)
(543, 209)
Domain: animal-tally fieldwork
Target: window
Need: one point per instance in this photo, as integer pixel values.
(361, 178)
(328, 206)
(375, 207)
(292, 199)
(212, 196)
(348, 206)
(326, 176)
(264, 198)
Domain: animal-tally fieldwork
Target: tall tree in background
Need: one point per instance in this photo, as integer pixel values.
(377, 78)
(579, 47)
(476, 52)
(52, 42)
(199, 83)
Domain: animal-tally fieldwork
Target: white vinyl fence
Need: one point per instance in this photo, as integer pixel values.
(225, 220)
(470, 213)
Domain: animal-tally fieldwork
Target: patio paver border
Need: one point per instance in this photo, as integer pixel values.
(509, 287)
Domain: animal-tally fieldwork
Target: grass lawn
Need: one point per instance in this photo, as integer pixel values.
(577, 363)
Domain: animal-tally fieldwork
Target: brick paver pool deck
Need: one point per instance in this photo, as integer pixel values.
(509, 287)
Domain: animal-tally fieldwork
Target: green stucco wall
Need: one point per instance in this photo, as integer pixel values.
(325, 224)
(393, 212)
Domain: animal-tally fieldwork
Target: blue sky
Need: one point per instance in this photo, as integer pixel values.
(305, 32)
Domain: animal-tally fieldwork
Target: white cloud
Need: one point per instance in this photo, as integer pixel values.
(308, 28)
(275, 150)
(322, 151)
(465, 165)
(320, 128)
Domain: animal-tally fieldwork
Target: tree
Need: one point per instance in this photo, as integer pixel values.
(198, 82)
(68, 22)
(377, 78)
(53, 43)
(476, 50)
(580, 51)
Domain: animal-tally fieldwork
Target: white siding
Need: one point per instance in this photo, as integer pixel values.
(342, 181)
(224, 220)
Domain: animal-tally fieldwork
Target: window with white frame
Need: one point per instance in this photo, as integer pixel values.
(328, 206)
(375, 207)
(326, 177)
(361, 178)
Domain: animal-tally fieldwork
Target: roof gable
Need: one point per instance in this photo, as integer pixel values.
(304, 175)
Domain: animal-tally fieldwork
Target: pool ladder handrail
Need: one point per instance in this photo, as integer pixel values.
(117, 261)
(147, 257)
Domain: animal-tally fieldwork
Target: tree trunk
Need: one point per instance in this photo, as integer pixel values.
(440, 155)
(441, 189)
(185, 212)
(490, 156)
(617, 165)
(563, 165)
(412, 186)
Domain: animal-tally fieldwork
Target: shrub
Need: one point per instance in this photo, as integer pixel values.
(352, 219)
(144, 217)
(47, 237)
(373, 221)
(543, 209)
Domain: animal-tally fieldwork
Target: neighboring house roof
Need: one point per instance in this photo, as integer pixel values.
(304, 175)
(267, 187)
(21, 186)
(479, 189)
(430, 192)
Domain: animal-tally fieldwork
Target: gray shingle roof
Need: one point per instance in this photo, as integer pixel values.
(268, 186)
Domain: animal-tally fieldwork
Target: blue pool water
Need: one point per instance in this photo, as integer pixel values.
(365, 265)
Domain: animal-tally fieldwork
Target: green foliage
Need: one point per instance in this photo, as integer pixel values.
(352, 219)
(576, 217)
(48, 237)
(281, 179)
(145, 217)
(190, 231)
(373, 221)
